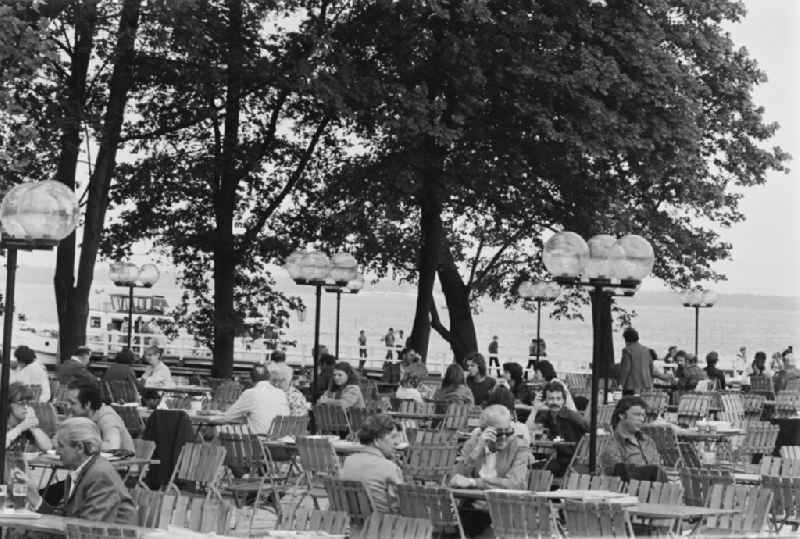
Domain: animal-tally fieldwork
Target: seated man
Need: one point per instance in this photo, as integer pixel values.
(559, 422)
(493, 457)
(374, 465)
(84, 400)
(75, 367)
(93, 490)
(713, 373)
(631, 454)
(260, 404)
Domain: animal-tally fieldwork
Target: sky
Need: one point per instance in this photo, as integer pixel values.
(766, 247)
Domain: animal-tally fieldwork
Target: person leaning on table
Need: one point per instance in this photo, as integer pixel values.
(631, 454)
(93, 490)
(493, 457)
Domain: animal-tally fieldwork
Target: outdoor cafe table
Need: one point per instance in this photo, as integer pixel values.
(54, 464)
(676, 513)
(411, 415)
(341, 447)
(188, 390)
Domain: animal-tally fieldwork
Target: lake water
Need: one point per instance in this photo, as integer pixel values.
(757, 322)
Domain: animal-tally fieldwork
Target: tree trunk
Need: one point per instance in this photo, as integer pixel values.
(225, 203)
(462, 327)
(430, 232)
(71, 334)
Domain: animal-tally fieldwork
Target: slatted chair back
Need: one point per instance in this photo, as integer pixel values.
(752, 503)
(199, 513)
(369, 390)
(793, 385)
(732, 403)
(540, 480)
(785, 498)
(199, 464)
(520, 515)
(407, 406)
(693, 407)
(656, 492)
(762, 384)
(657, 402)
(304, 519)
(758, 440)
(420, 436)
(577, 381)
(770, 465)
(433, 503)
(429, 462)
(123, 391)
(244, 453)
(456, 417)
(787, 403)
(101, 531)
(356, 418)
(666, 441)
(596, 519)
(215, 405)
(577, 481)
(288, 425)
(46, 415)
(580, 459)
(350, 497)
(227, 391)
(604, 413)
(178, 402)
(381, 526)
(148, 503)
(317, 455)
(689, 456)
(790, 452)
(753, 404)
(330, 419)
(142, 449)
(36, 390)
(130, 416)
(697, 483)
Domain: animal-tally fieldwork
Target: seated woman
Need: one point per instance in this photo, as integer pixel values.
(512, 372)
(343, 390)
(454, 387)
(23, 425)
(408, 388)
(412, 364)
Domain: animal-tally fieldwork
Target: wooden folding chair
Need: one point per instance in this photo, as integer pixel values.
(666, 441)
(331, 419)
(142, 449)
(596, 519)
(697, 483)
(197, 512)
(227, 391)
(317, 459)
(381, 526)
(576, 481)
(656, 492)
(753, 404)
(46, 415)
(303, 519)
(149, 504)
(656, 401)
(429, 463)
(456, 418)
(751, 502)
(350, 497)
(790, 452)
(199, 467)
(178, 402)
(785, 500)
(518, 515)
(758, 440)
(101, 531)
(762, 384)
(787, 403)
(693, 407)
(130, 416)
(434, 503)
(420, 436)
(540, 480)
(580, 458)
(288, 425)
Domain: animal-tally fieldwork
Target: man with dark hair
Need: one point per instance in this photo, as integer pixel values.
(278, 363)
(636, 367)
(631, 454)
(85, 400)
(713, 373)
(260, 404)
(477, 381)
(692, 373)
(559, 422)
(33, 372)
(373, 465)
(76, 367)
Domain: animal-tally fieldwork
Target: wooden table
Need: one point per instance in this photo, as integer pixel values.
(707, 436)
(54, 464)
(189, 390)
(410, 415)
(341, 447)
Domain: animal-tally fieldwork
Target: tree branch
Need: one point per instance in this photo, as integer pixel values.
(475, 260)
(269, 137)
(253, 231)
(436, 323)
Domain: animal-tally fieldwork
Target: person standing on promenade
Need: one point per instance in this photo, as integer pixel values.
(388, 341)
(362, 349)
(493, 358)
(636, 368)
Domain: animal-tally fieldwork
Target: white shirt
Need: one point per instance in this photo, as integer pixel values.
(259, 405)
(158, 376)
(35, 374)
(489, 468)
(74, 475)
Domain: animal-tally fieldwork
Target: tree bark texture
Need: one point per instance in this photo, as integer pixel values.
(463, 340)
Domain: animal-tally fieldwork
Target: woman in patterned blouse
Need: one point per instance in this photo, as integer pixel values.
(298, 405)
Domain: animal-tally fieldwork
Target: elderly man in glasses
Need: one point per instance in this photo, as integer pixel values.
(493, 457)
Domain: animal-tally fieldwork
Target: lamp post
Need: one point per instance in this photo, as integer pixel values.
(352, 287)
(316, 269)
(606, 266)
(34, 216)
(540, 292)
(132, 276)
(698, 299)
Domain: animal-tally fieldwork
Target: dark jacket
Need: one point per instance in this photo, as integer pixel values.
(480, 390)
(71, 370)
(120, 372)
(169, 429)
(715, 373)
(569, 425)
(691, 375)
(636, 368)
(99, 495)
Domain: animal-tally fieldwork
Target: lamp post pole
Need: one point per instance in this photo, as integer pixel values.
(338, 314)
(538, 332)
(130, 315)
(539, 292)
(698, 299)
(696, 329)
(8, 323)
(316, 344)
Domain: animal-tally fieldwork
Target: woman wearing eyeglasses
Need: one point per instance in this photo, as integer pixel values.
(23, 425)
